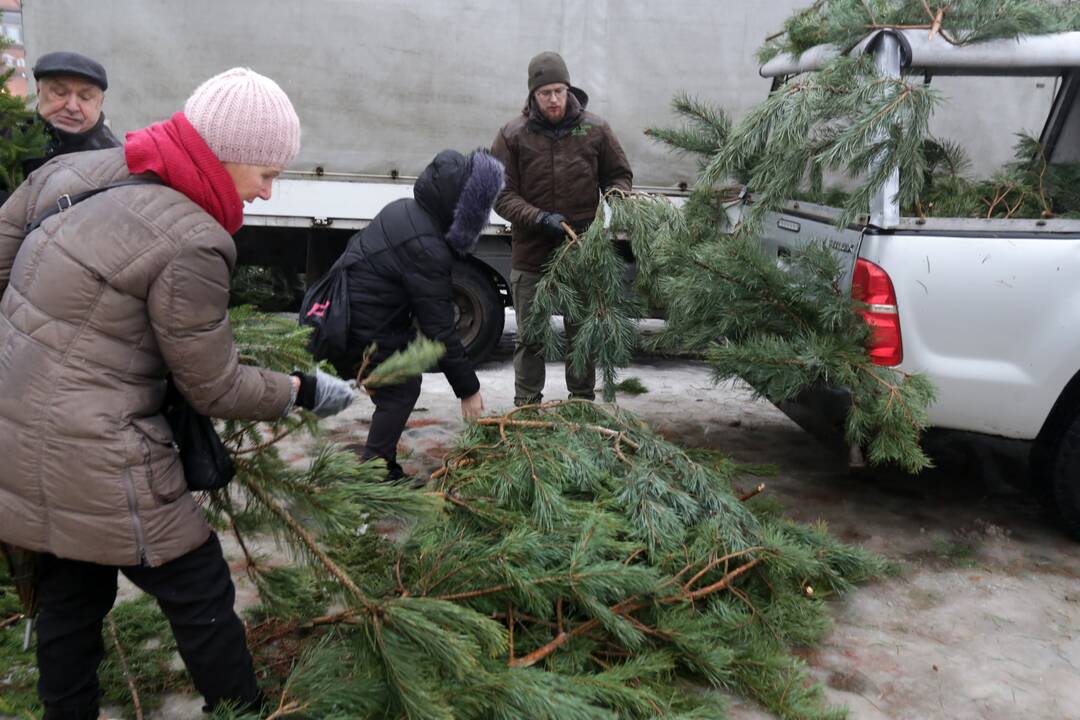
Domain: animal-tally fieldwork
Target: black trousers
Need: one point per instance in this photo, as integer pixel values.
(194, 591)
(393, 405)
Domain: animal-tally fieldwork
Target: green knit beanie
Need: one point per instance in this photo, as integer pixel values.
(547, 68)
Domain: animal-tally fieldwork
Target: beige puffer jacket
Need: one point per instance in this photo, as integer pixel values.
(98, 305)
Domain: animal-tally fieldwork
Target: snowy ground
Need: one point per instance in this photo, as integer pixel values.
(983, 620)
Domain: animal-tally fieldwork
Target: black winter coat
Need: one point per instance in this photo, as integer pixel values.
(399, 266)
(62, 142)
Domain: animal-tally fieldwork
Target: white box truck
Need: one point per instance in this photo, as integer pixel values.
(381, 87)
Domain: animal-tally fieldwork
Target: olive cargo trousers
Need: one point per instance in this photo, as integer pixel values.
(529, 370)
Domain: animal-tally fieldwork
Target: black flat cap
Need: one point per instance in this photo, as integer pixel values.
(71, 63)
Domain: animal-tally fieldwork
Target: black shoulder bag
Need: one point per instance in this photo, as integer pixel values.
(326, 310)
(207, 463)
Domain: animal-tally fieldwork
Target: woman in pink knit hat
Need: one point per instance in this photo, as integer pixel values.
(126, 284)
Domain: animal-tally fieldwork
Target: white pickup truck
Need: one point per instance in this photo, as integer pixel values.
(988, 309)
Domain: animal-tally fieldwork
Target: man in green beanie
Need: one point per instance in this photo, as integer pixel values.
(559, 159)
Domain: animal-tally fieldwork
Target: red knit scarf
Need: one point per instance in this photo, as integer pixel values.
(175, 152)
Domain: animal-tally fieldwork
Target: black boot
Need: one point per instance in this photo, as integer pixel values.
(394, 472)
(396, 475)
(72, 712)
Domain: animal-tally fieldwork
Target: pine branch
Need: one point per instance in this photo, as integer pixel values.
(705, 132)
(844, 23)
(625, 608)
(312, 546)
(417, 358)
(135, 700)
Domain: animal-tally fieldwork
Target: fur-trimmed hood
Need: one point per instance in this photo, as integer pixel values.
(459, 192)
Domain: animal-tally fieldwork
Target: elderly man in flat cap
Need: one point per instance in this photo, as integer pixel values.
(70, 91)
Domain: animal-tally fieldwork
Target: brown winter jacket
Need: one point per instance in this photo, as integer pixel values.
(562, 168)
(98, 305)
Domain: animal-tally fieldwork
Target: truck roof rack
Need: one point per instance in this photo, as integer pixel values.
(1027, 55)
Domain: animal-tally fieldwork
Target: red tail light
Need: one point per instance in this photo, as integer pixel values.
(871, 285)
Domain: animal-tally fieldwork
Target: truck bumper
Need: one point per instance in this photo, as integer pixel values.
(822, 412)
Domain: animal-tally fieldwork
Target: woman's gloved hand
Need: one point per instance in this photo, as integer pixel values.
(323, 394)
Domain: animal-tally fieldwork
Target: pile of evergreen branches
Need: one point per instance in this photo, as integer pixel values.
(569, 563)
(1027, 187)
(566, 562)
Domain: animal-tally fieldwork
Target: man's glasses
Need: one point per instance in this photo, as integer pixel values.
(551, 94)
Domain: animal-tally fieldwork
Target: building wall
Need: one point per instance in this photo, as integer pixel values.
(14, 56)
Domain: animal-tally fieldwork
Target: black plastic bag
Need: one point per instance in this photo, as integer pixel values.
(325, 309)
(207, 463)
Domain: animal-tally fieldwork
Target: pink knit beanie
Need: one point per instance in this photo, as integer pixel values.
(245, 118)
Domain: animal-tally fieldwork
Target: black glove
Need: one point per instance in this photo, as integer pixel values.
(551, 223)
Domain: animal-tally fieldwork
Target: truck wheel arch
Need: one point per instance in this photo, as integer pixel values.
(1064, 476)
(480, 298)
(1056, 450)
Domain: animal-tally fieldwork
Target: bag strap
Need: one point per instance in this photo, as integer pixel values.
(67, 200)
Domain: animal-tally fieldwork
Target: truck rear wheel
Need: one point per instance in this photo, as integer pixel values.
(1064, 476)
(479, 310)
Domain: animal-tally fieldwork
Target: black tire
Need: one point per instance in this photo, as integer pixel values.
(1064, 476)
(479, 310)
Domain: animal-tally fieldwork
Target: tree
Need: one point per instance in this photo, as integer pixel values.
(20, 136)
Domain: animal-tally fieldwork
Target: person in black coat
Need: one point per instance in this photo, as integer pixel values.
(399, 284)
